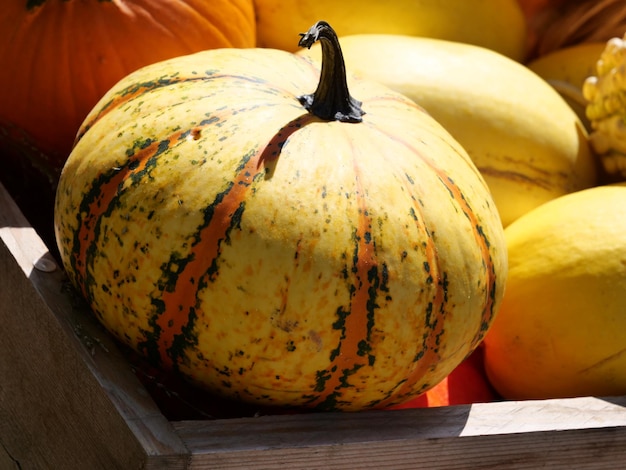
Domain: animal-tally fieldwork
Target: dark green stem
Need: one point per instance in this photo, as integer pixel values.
(331, 100)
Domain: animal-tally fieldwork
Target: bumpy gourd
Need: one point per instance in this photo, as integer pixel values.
(605, 92)
(344, 258)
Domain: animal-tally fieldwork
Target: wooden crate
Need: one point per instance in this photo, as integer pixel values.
(69, 399)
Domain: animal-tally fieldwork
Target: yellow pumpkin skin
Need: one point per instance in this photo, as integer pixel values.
(561, 329)
(271, 256)
(279, 21)
(528, 144)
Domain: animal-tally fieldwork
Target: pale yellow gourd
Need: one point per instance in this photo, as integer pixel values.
(495, 24)
(567, 69)
(529, 145)
(561, 329)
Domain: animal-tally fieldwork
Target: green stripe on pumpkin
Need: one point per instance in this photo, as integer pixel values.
(367, 278)
(137, 89)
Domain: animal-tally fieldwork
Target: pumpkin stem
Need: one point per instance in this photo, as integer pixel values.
(331, 100)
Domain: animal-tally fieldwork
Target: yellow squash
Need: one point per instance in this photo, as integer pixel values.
(571, 65)
(526, 141)
(566, 70)
(495, 24)
(561, 329)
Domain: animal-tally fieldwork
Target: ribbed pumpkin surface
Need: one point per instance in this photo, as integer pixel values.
(271, 256)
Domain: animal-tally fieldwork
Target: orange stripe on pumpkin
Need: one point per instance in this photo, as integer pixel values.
(107, 192)
(483, 243)
(182, 299)
(352, 353)
(430, 354)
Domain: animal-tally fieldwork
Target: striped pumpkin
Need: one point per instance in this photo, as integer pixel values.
(277, 247)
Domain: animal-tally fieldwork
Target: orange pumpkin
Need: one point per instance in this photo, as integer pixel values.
(64, 55)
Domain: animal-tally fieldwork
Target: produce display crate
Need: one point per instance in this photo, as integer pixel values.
(69, 399)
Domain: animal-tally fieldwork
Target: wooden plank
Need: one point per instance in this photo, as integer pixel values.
(6, 460)
(68, 399)
(574, 433)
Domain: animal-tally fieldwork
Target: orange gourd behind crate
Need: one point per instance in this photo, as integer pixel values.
(59, 57)
(465, 385)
